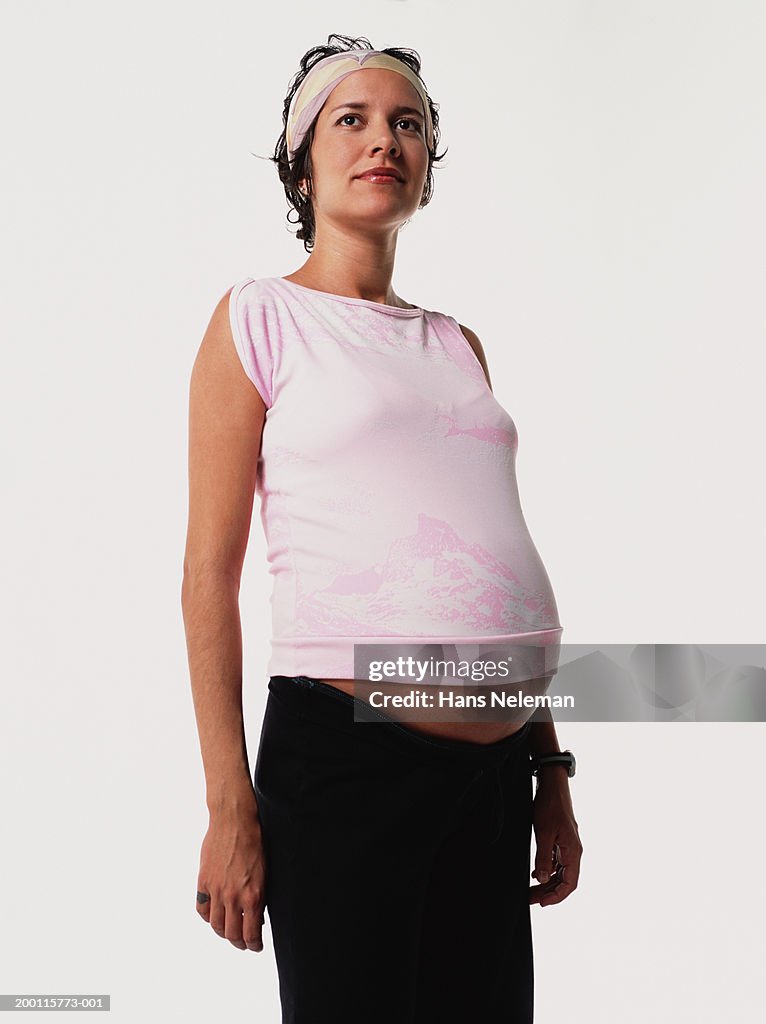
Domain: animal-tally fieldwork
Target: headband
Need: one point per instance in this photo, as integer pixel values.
(329, 72)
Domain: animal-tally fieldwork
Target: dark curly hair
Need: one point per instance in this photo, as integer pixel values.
(290, 174)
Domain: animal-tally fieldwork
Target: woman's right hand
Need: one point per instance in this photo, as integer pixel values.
(233, 873)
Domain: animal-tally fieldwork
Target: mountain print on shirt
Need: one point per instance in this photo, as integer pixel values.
(431, 582)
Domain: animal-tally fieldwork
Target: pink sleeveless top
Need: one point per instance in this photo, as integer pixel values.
(386, 481)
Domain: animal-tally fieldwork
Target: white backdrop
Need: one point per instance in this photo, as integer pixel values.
(599, 222)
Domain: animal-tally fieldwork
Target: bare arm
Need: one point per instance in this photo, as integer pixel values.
(226, 416)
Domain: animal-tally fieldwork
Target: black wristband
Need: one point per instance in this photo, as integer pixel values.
(563, 757)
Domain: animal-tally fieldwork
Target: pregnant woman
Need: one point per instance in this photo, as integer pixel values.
(391, 856)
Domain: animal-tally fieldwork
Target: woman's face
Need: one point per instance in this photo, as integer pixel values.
(364, 124)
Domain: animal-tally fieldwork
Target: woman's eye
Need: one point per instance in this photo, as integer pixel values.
(406, 120)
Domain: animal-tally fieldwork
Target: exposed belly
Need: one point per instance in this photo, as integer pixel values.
(473, 732)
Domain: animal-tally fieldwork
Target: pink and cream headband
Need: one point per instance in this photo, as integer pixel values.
(313, 91)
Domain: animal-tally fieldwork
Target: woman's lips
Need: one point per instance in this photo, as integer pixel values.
(381, 179)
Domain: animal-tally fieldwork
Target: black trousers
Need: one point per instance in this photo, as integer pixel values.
(397, 865)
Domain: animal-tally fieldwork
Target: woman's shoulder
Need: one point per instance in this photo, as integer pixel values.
(470, 336)
(252, 287)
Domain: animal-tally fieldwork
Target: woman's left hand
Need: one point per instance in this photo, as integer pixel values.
(557, 862)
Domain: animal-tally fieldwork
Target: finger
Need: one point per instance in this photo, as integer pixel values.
(538, 892)
(233, 927)
(252, 928)
(560, 893)
(559, 888)
(569, 862)
(203, 908)
(545, 860)
(217, 915)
